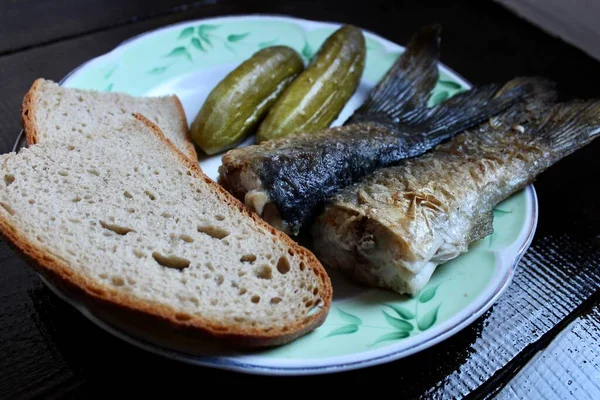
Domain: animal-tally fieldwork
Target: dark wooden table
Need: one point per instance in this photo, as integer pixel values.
(539, 340)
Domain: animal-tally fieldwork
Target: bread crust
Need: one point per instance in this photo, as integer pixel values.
(190, 147)
(164, 318)
(32, 131)
(27, 107)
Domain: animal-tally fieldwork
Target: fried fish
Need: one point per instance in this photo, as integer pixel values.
(394, 227)
(286, 180)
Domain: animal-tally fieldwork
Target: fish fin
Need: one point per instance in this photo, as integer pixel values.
(458, 113)
(408, 83)
(482, 227)
(540, 93)
(537, 87)
(570, 126)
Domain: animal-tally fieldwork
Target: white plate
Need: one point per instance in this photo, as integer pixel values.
(169, 60)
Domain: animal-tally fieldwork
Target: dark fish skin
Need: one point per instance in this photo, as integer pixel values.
(299, 173)
(392, 228)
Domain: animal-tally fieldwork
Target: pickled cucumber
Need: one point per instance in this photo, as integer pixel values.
(316, 97)
(238, 103)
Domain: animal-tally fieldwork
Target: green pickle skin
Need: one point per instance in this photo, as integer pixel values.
(316, 97)
(238, 103)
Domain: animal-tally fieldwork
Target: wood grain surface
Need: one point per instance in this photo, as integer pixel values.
(48, 350)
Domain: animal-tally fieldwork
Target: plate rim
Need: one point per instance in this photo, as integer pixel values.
(230, 363)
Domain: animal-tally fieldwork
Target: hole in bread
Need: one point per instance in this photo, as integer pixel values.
(239, 319)
(182, 316)
(219, 217)
(316, 291)
(63, 172)
(213, 231)
(242, 291)
(302, 266)
(283, 265)
(250, 258)
(94, 172)
(9, 179)
(264, 272)
(220, 279)
(118, 229)
(241, 273)
(210, 266)
(8, 208)
(103, 275)
(255, 299)
(291, 252)
(150, 195)
(276, 300)
(127, 194)
(186, 238)
(76, 199)
(31, 201)
(214, 302)
(117, 281)
(167, 215)
(308, 303)
(171, 261)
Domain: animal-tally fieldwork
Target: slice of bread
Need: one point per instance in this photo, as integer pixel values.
(50, 111)
(128, 221)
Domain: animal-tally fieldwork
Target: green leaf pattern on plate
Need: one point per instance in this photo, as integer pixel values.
(406, 324)
(349, 317)
(449, 85)
(427, 294)
(307, 51)
(197, 44)
(428, 319)
(397, 323)
(401, 311)
(237, 37)
(343, 330)
(353, 322)
(187, 32)
(200, 39)
(391, 336)
(439, 97)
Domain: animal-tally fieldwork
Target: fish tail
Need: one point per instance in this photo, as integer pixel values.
(536, 87)
(570, 126)
(462, 111)
(408, 83)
